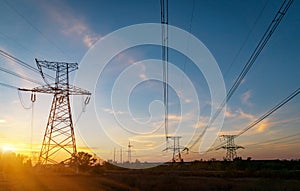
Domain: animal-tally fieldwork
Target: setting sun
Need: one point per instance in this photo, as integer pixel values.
(6, 148)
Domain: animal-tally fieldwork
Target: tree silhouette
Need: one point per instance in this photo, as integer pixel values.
(84, 160)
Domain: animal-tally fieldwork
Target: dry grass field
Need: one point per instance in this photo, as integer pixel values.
(110, 180)
(199, 175)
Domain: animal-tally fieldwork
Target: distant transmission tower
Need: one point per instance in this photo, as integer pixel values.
(176, 148)
(121, 155)
(129, 152)
(230, 147)
(59, 137)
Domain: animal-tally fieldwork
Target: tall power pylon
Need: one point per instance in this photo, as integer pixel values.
(165, 59)
(59, 137)
(230, 147)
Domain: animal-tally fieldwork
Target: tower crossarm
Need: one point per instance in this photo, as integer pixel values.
(60, 89)
(56, 66)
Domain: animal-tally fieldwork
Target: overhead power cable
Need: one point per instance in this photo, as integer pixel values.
(165, 58)
(20, 76)
(267, 114)
(262, 43)
(8, 86)
(277, 139)
(264, 116)
(22, 63)
(246, 40)
(16, 60)
(35, 28)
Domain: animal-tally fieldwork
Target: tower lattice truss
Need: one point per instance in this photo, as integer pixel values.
(175, 148)
(59, 138)
(230, 147)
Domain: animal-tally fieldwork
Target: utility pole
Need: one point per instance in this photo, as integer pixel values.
(230, 147)
(59, 137)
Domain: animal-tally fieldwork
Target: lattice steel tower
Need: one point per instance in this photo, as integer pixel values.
(230, 147)
(176, 148)
(129, 152)
(59, 137)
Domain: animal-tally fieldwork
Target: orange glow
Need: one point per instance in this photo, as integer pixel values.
(9, 147)
(263, 126)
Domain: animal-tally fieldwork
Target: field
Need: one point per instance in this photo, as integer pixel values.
(209, 175)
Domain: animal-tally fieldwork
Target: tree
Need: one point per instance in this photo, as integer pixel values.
(84, 160)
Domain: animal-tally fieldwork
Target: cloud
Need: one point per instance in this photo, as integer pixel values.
(229, 113)
(245, 98)
(110, 111)
(143, 76)
(147, 136)
(90, 40)
(263, 126)
(203, 121)
(243, 115)
(175, 117)
(71, 25)
(187, 100)
(269, 122)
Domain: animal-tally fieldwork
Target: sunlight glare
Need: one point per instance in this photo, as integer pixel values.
(7, 148)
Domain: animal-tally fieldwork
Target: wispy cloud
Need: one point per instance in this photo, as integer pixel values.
(113, 112)
(263, 126)
(229, 113)
(187, 100)
(143, 76)
(203, 121)
(175, 117)
(244, 115)
(245, 98)
(72, 25)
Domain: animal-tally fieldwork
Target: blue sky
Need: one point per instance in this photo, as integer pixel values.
(66, 30)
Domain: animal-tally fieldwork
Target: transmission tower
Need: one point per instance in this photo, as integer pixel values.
(230, 147)
(59, 137)
(121, 155)
(129, 152)
(175, 148)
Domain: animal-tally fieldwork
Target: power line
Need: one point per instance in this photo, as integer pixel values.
(247, 38)
(262, 43)
(265, 115)
(16, 42)
(277, 139)
(18, 61)
(35, 28)
(8, 86)
(20, 76)
(165, 58)
(22, 63)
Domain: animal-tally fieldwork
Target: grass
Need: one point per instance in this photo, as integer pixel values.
(206, 176)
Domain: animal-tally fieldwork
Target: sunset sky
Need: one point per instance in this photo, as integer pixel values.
(66, 30)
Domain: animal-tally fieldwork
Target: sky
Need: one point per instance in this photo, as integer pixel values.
(70, 31)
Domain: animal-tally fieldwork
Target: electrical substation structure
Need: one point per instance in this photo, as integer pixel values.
(59, 137)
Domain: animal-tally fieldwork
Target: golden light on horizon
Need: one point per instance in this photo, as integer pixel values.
(8, 147)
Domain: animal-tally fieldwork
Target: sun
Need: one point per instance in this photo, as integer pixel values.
(7, 148)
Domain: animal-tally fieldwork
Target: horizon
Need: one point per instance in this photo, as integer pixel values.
(69, 31)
